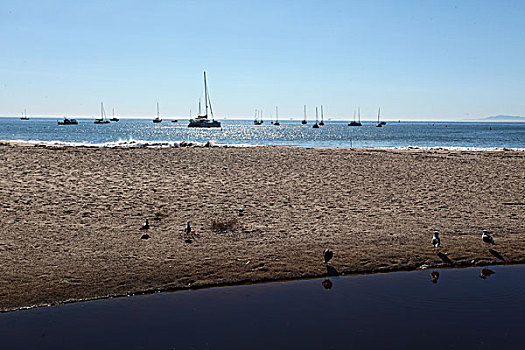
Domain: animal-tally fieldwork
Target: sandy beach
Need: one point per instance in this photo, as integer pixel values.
(70, 216)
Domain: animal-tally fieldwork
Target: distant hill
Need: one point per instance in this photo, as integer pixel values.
(508, 118)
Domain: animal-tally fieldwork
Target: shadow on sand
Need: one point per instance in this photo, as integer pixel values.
(496, 254)
(332, 271)
(445, 259)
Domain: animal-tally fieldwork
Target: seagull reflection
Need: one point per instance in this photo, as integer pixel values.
(327, 284)
(486, 273)
(435, 276)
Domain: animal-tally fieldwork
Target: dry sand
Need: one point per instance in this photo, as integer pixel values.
(70, 217)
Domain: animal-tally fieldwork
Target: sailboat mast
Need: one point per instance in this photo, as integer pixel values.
(276, 113)
(206, 94)
(157, 109)
(304, 112)
(322, 114)
(378, 113)
(359, 114)
(316, 115)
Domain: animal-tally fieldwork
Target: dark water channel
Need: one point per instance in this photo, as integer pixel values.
(469, 308)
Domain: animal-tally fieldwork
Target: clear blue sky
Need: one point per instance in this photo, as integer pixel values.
(426, 60)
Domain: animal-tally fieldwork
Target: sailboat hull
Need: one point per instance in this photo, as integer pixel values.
(204, 123)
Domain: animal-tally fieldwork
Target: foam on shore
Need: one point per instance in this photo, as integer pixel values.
(132, 143)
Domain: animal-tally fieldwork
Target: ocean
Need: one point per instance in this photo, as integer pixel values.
(143, 132)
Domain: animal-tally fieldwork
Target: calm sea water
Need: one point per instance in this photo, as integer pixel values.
(472, 308)
(291, 133)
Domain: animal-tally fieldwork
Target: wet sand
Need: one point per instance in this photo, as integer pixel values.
(70, 216)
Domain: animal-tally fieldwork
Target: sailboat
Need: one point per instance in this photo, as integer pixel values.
(356, 123)
(157, 119)
(304, 120)
(102, 119)
(202, 121)
(276, 116)
(379, 123)
(316, 125)
(322, 116)
(258, 117)
(24, 117)
(114, 119)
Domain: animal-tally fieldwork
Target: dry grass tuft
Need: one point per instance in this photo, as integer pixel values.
(224, 225)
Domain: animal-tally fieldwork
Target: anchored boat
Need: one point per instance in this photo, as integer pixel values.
(202, 121)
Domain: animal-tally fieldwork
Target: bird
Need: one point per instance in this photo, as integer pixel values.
(187, 230)
(145, 226)
(328, 254)
(241, 211)
(487, 238)
(436, 242)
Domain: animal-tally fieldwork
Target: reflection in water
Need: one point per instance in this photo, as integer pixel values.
(327, 284)
(398, 310)
(486, 273)
(435, 276)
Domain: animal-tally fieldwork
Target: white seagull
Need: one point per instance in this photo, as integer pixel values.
(487, 238)
(436, 242)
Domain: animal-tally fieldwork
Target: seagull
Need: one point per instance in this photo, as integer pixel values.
(436, 242)
(145, 226)
(487, 238)
(328, 254)
(241, 211)
(187, 230)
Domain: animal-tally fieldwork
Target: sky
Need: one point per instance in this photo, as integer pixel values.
(417, 60)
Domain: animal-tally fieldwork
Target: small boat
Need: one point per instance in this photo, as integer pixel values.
(322, 116)
(24, 117)
(316, 125)
(114, 119)
(157, 119)
(304, 120)
(277, 116)
(68, 121)
(102, 119)
(202, 121)
(356, 123)
(379, 124)
(258, 117)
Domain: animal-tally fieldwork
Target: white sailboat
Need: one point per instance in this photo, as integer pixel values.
(114, 119)
(102, 119)
(24, 117)
(202, 121)
(157, 119)
(276, 116)
(316, 125)
(322, 116)
(354, 122)
(379, 123)
(304, 118)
